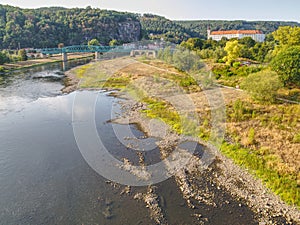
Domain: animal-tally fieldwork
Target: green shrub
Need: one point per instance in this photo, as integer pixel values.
(251, 136)
(263, 86)
(287, 65)
(236, 64)
(222, 70)
(188, 82)
(238, 111)
(22, 55)
(296, 138)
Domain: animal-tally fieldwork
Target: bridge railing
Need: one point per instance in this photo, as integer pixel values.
(77, 48)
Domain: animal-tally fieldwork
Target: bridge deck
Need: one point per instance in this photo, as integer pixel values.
(77, 48)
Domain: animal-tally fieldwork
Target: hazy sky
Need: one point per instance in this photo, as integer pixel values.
(287, 10)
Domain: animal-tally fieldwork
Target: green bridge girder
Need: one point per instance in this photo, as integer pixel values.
(82, 48)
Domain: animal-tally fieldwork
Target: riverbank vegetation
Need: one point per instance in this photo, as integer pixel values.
(263, 138)
(262, 122)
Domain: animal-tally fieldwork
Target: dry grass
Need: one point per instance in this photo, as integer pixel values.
(263, 138)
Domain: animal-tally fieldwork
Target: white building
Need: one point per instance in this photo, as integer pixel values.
(256, 35)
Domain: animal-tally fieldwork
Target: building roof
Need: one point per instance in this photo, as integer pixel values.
(236, 32)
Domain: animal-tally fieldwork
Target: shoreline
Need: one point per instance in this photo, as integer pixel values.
(268, 208)
(242, 185)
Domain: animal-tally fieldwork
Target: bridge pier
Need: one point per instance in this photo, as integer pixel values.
(146, 52)
(64, 57)
(97, 55)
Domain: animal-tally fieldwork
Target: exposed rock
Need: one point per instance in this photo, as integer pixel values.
(152, 202)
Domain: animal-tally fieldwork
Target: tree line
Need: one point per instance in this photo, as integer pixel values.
(49, 26)
(260, 68)
(201, 26)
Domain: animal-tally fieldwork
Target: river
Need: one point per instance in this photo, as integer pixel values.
(44, 179)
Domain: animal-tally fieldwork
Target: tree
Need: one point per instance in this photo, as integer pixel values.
(210, 44)
(287, 36)
(262, 86)
(233, 49)
(113, 42)
(3, 58)
(166, 55)
(22, 55)
(287, 65)
(261, 50)
(247, 41)
(93, 42)
(186, 60)
(192, 44)
(245, 52)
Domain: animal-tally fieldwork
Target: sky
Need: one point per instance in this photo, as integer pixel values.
(282, 10)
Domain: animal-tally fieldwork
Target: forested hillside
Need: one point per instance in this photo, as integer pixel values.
(200, 27)
(159, 27)
(47, 27)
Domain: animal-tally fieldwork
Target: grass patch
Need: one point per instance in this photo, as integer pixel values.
(82, 71)
(232, 76)
(181, 78)
(163, 110)
(262, 165)
(296, 138)
(117, 82)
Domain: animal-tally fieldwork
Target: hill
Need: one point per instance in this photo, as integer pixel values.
(200, 26)
(154, 27)
(49, 26)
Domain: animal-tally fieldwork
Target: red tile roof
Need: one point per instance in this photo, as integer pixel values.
(236, 32)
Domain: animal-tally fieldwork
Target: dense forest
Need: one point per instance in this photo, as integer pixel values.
(154, 27)
(200, 27)
(47, 27)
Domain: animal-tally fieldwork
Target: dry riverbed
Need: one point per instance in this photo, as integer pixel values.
(220, 193)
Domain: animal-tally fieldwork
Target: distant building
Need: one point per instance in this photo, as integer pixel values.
(256, 35)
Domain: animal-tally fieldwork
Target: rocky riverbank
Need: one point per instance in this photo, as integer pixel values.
(203, 185)
(215, 193)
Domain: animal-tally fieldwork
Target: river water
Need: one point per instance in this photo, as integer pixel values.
(44, 179)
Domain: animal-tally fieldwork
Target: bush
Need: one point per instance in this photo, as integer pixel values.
(287, 65)
(263, 86)
(3, 58)
(22, 55)
(186, 60)
(222, 70)
(94, 42)
(236, 64)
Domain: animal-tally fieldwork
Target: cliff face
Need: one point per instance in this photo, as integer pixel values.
(129, 31)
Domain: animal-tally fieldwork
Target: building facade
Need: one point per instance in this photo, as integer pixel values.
(256, 35)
